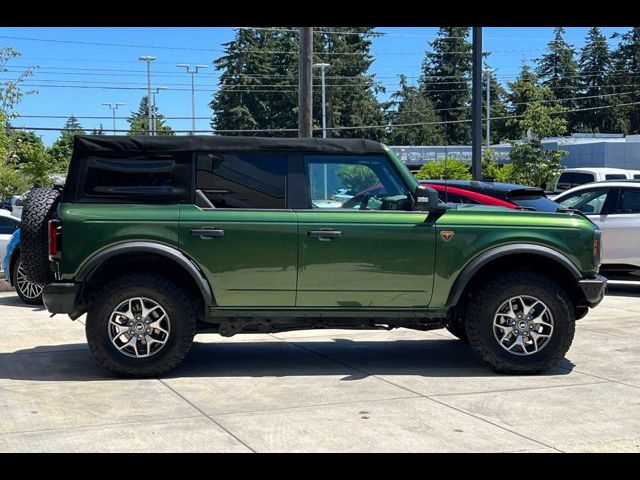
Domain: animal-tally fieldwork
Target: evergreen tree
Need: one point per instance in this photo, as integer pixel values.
(445, 80)
(523, 91)
(98, 131)
(497, 107)
(413, 107)
(139, 120)
(625, 79)
(61, 150)
(557, 70)
(351, 90)
(593, 67)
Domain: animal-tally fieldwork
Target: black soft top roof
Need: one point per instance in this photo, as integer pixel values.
(87, 144)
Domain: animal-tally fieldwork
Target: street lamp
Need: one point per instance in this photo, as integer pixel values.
(153, 107)
(487, 72)
(148, 59)
(113, 107)
(193, 91)
(324, 119)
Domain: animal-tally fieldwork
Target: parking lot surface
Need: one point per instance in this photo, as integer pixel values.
(321, 390)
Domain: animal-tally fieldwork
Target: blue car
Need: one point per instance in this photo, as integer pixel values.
(28, 291)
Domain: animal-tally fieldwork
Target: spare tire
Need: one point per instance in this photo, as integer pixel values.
(39, 207)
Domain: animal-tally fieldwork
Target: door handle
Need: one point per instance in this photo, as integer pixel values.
(324, 234)
(207, 232)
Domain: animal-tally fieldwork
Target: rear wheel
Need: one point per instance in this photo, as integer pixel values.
(521, 323)
(28, 291)
(140, 326)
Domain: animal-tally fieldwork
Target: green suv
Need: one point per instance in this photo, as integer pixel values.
(160, 238)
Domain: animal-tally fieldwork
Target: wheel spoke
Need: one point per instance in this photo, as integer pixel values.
(518, 334)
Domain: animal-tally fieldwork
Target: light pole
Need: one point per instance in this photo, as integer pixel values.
(193, 91)
(324, 118)
(487, 72)
(153, 108)
(148, 59)
(113, 107)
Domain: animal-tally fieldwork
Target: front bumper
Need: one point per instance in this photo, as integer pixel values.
(593, 289)
(63, 298)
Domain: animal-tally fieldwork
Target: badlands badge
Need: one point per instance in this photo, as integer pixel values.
(447, 235)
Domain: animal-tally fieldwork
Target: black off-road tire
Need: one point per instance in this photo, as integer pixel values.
(40, 206)
(37, 300)
(487, 300)
(458, 329)
(178, 306)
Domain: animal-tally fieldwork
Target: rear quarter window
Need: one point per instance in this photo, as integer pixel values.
(615, 176)
(569, 180)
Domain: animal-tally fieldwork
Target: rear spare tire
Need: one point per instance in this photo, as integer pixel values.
(40, 206)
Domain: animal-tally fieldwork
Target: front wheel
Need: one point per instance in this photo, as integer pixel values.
(141, 325)
(521, 323)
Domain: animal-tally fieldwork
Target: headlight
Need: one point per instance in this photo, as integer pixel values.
(597, 247)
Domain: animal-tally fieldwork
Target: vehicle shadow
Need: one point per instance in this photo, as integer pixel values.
(14, 301)
(351, 359)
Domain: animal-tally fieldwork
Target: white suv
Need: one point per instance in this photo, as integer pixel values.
(615, 207)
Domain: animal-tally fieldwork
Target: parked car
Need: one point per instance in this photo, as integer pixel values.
(28, 291)
(573, 177)
(220, 234)
(8, 225)
(615, 207)
(493, 193)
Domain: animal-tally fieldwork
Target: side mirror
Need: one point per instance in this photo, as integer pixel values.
(426, 198)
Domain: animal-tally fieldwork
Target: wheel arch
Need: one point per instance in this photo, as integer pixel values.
(147, 256)
(516, 256)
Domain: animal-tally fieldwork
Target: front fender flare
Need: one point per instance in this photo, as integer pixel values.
(503, 250)
(87, 268)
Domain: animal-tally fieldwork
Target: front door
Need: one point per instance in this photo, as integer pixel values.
(360, 245)
(240, 232)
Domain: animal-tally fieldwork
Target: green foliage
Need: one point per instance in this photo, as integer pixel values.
(12, 182)
(357, 177)
(61, 150)
(413, 107)
(139, 120)
(624, 73)
(37, 165)
(445, 80)
(10, 91)
(449, 169)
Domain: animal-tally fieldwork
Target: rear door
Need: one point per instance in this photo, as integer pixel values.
(369, 252)
(240, 231)
(623, 228)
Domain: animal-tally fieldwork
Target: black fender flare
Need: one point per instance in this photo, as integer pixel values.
(87, 268)
(491, 254)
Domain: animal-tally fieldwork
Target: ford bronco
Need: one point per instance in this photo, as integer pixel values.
(159, 238)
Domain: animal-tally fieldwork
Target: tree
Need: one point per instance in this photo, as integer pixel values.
(557, 70)
(523, 91)
(448, 169)
(351, 91)
(61, 150)
(593, 66)
(413, 107)
(532, 164)
(139, 120)
(624, 76)
(357, 177)
(445, 80)
(98, 131)
(10, 91)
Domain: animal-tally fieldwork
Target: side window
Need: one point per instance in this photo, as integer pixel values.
(243, 180)
(138, 178)
(569, 180)
(589, 201)
(615, 176)
(629, 201)
(636, 176)
(8, 226)
(354, 182)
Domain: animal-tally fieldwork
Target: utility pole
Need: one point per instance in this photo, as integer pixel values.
(488, 107)
(476, 103)
(148, 59)
(113, 107)
(305, 83)
(324, 120)
(193, 91)
(153, 108)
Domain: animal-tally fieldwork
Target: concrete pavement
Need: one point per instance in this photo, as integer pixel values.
(316, 391)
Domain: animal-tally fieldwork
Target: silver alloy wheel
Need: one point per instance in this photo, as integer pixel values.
(139, 327)
(523, 325)
(26, 287)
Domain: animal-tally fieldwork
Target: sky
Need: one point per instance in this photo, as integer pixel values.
(79, 69)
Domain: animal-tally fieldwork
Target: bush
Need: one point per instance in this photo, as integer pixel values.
(451, 169)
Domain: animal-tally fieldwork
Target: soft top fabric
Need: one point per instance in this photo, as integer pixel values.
(87, 144)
